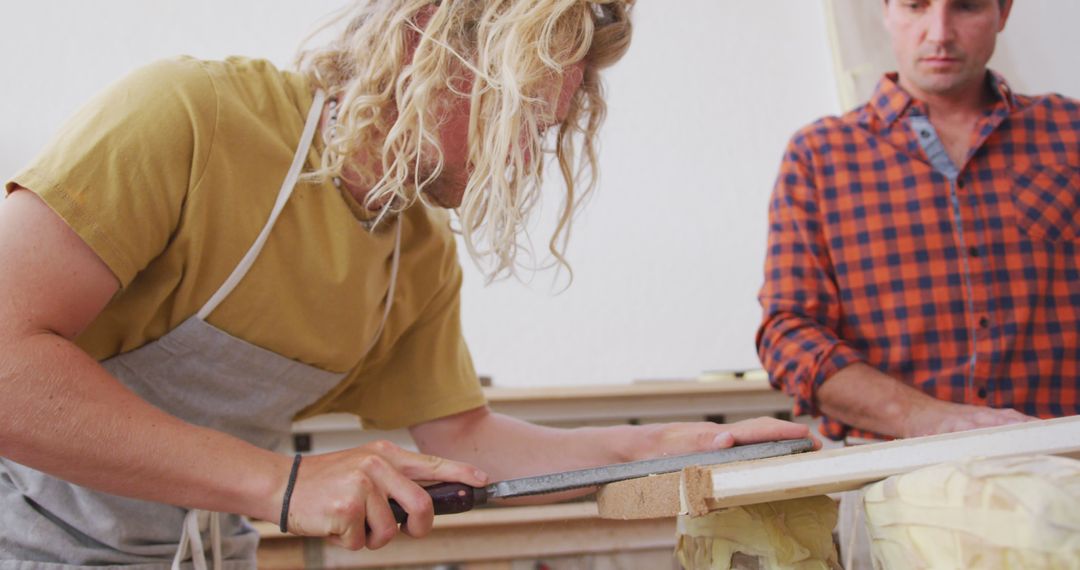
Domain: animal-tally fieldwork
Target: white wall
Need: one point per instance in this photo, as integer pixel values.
(1039, 50)
(668, 254)
(1034, 52)
(56, 54)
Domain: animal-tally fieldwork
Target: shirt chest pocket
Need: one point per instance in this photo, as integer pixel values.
(1046, 199)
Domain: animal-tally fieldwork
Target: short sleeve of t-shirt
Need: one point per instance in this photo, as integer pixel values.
(120, 169)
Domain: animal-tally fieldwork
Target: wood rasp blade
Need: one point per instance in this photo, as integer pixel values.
(567, 480)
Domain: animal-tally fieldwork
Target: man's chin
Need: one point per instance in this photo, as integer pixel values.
(444, 198)
(945, 83)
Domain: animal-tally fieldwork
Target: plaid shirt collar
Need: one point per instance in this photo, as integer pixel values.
(890, 102)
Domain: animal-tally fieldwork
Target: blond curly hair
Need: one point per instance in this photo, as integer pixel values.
(391, 105)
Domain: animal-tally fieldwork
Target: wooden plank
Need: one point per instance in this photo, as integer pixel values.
(281, 555)
(488, 534)
(833, 470)
(488, 516)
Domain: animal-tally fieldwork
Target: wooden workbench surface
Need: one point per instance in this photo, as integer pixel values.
(489, 534)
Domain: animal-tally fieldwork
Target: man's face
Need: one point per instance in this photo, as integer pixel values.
(942, 46)
(449, 188)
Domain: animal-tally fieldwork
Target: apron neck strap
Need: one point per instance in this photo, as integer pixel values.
(283, 196)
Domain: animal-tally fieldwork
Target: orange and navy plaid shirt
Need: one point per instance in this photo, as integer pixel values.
(963, 281)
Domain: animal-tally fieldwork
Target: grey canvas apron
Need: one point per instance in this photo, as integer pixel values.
(204, 376)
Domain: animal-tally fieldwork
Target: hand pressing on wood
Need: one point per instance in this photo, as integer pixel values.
(658, 440)
(866, 398)
(945, 417)
(344, 495)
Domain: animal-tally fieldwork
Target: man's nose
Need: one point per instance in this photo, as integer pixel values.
(939, 23)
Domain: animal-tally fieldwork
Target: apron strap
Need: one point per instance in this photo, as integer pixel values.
(390, 289)
(191, 536)
(283, 196)
(191, 539)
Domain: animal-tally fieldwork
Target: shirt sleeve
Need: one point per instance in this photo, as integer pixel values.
(118, 172)
(797, 341)
(428, 374)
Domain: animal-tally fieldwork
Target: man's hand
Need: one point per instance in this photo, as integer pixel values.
(344, 495)
(866, 398)
(946, 417)
(658, 440)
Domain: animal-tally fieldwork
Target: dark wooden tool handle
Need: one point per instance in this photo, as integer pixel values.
(447, 498)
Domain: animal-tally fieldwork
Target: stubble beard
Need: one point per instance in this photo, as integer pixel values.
(448, 190)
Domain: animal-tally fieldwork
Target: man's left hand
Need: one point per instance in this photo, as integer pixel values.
(659, 440)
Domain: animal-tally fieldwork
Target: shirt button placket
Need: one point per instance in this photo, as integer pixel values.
(983, 366)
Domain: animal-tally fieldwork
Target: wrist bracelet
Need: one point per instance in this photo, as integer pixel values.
(284, 523)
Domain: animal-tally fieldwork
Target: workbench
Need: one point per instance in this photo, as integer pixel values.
(488, 538)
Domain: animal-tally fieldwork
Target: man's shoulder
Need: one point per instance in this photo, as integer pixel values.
(1049, 101)
(236, 67)
(179, 82)
(250, 79)
(195, 83)
(826, 129)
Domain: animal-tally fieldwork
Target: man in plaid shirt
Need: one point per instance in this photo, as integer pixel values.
(923, 270)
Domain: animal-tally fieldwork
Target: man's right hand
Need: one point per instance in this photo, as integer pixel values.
(344, 494)
(946, 417)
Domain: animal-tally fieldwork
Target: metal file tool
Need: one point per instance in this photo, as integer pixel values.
(457, 497)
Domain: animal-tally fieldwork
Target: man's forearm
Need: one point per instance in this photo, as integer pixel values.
(506, 447)
(63, 414)
(862, 396)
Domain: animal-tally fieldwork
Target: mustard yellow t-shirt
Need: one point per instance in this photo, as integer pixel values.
(171, 173)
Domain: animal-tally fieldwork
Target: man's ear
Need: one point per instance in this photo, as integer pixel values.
(1006, 9)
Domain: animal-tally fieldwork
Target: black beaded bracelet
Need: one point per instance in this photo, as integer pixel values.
(284, 523)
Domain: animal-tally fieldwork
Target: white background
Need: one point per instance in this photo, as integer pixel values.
(667, 255)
